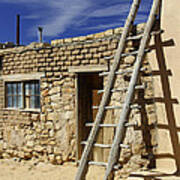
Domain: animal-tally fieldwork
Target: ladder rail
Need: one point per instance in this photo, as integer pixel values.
(93, 133)
(114, 152)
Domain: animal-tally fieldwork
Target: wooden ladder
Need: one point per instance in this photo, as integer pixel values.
(120, 127)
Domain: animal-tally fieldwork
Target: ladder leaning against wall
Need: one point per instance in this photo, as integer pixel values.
(109, 89)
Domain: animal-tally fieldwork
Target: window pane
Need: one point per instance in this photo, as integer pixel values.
(14, 87)
(37, 102)
(37, 89)
(9, 101)
(19, 104)
(14, 98)
(27, 89)
(33, 88)
(9, 88)
(19, 88)
(14, 95)
(27, 102)
(32, 102)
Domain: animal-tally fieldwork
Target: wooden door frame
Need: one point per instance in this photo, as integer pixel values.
(77, 70)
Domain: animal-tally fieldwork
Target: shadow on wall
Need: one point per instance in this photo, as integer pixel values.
(168, 102)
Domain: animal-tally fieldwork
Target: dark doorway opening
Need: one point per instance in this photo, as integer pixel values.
(88, 85)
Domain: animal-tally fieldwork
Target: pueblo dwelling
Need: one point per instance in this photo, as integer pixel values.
(49, 94)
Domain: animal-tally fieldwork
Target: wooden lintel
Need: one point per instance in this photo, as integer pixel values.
(88, 68)
(22, 77)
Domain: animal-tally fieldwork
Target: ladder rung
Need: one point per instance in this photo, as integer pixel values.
(108, 107)
(122, 72)
(108, 57)
(127, 54)
(157, 32)
(116, 167)
(98, 145)
(136, 37)
(106, 145)
(130, 124)
(124, 89)
(125, 146)
(101, 125)
(97, 163)
(117, 72)
(134, 106)
(112, 125)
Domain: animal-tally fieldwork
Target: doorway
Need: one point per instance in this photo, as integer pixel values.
(88, 85)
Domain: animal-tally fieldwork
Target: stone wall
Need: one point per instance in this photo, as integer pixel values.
(50, 134)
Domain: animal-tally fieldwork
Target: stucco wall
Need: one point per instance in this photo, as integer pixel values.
(166, 63)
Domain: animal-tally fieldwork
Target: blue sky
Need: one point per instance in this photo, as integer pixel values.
(64, 18)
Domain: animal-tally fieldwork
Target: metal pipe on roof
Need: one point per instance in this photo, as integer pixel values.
(40, 34)
(17, 29)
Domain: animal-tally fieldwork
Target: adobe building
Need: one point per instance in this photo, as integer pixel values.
(49, 98)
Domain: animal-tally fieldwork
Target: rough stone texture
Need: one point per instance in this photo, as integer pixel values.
(143, 137)
(49, 135)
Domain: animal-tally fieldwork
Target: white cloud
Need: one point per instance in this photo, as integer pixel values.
(104, 26)
(115, 10)
(66, 12)
(59, 15)
(32, 16)
(56, 16)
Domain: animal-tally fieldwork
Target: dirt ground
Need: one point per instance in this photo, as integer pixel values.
(11, 169)
(28, 170)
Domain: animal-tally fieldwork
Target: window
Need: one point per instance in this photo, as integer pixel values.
(14, 95)
(23, 95)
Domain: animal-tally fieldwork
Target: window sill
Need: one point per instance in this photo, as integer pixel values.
(23, 110)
